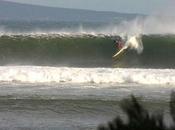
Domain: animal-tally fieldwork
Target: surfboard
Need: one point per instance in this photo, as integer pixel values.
(120, 51)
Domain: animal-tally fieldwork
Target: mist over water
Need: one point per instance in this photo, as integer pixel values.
(161, 22)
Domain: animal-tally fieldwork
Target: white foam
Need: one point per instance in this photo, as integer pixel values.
(135, 42)
(34, 74)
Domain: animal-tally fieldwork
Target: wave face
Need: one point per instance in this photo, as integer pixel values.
(33, 74)
(56, 50)
(84, 50)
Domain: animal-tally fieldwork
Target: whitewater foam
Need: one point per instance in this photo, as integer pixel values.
(135, 42)
(39, 74)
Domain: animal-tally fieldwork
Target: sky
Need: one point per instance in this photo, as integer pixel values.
(125, 6)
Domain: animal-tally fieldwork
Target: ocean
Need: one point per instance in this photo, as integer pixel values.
(62, 75)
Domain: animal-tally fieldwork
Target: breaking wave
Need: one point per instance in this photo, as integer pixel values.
(86, 50)
(33, 74)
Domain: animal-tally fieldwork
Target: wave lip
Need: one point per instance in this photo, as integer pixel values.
(39, 74)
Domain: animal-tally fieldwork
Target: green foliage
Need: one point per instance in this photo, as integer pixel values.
(139, 118)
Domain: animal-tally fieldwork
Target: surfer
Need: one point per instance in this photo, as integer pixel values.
(121, 45)
(134, 42)
(119, 42)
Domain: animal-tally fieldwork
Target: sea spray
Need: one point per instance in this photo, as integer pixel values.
(135, 42)
(152, 24)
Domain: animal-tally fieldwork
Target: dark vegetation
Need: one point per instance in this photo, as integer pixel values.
(139, 118)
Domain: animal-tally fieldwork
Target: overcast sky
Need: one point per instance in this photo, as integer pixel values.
(129, 6)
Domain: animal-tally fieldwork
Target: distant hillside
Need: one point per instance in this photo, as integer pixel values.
(24, 12)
